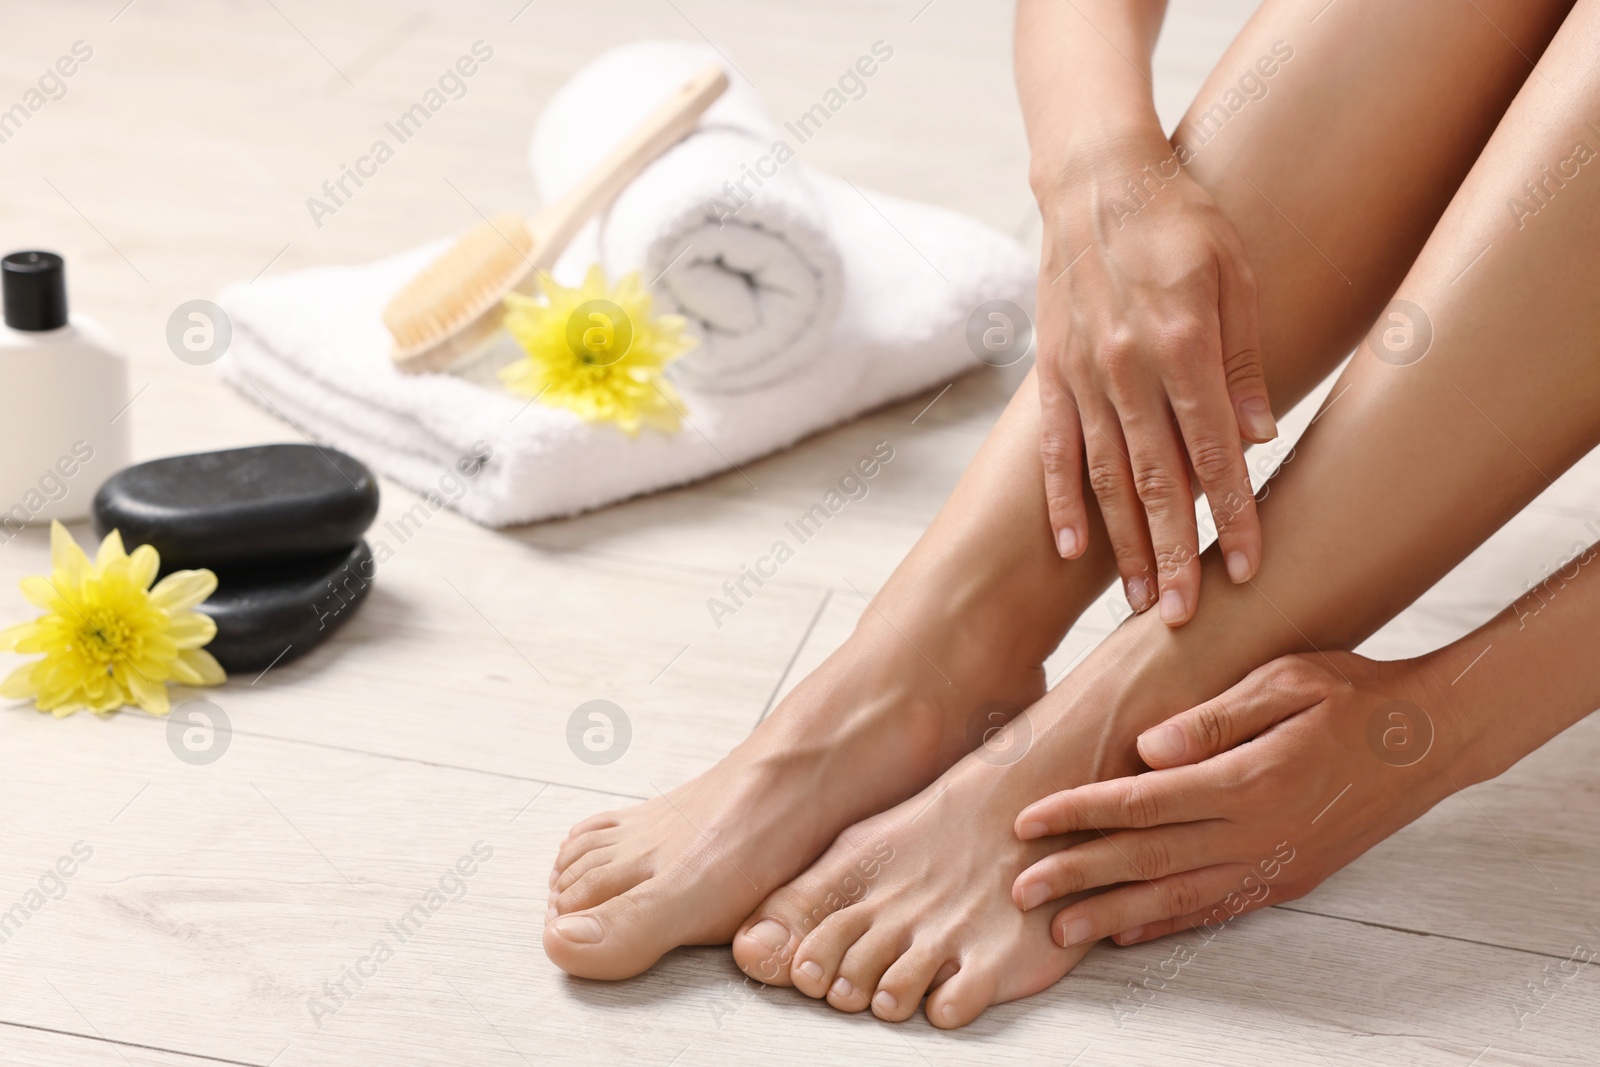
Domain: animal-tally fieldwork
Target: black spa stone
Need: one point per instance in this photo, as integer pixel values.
(269, 615)
(240, 506)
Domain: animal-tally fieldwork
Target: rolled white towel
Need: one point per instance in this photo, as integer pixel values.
(906, 278)
(758, 276)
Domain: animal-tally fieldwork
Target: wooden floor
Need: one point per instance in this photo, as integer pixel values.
(219, 899)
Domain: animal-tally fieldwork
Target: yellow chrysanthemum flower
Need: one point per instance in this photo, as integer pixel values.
(598, 353)
(108, 638)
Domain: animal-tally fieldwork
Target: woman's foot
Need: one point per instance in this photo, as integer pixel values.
(931, 913)
(918, 900)
(895, 706)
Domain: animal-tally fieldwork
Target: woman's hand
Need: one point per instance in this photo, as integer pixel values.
(1149, 367)
(1261, 794)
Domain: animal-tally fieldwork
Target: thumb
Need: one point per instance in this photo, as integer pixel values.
(1264, 699)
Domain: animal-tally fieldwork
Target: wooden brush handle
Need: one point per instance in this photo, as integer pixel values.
(555, 226)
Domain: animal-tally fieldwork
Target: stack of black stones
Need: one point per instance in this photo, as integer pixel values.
(280, 525)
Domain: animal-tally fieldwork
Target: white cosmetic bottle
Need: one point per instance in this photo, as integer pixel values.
(63, 390)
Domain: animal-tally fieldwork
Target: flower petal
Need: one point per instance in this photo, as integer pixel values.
(42, 592)
(66, 558)
(12, 636)
(111, 550)
(202, 663)
(151, 696)
(182, 590)
(19, 683)
(143, 563)
(192, 629)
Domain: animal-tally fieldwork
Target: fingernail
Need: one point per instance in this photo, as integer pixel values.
(1238, 567)
(884, 1003)
(1030, 830)
(1076, 932)
(1138, 590)
(583, 929)
(842, 988)
(811, 969)
(1172, 607)
(1256, 414)
(1128, 937)
(771, 933)
(1161, 745)
(1034, 894)
(1067, 543)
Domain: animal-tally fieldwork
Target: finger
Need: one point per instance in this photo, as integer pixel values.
(1111, 479)
(1161, 481)
(1133, 906)
(1216, 455)
(1207, 921)
(1183, 794)
(1239, 306)
(1061, 447)
(1267, 696)
(1130, 856)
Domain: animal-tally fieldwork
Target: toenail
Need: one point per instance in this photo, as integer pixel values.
(1172, 607)
(842, 988)
(884, 1003)
(555, 876)
(550, 913)
(1076, 932)
(948, 1013)
(812, 970)
(583, 929)
(1034, 894)
(771, 933)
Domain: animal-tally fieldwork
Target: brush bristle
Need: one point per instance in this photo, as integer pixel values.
(465, 281)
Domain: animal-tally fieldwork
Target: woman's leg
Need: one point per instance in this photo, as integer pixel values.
(966, 621)
(1421, 452)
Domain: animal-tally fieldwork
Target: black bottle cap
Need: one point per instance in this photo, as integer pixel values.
(35, 286)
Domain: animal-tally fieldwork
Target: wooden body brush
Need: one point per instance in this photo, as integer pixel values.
(454, 306)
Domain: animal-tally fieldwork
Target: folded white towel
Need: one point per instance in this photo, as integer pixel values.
(759, 277)
(892, 284)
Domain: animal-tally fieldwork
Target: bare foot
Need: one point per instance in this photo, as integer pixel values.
(916, 902)
(868, 729)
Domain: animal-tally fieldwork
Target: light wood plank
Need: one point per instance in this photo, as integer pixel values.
(241, 887)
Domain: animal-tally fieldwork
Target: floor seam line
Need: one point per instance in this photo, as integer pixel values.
(805, 638)
(1420, 933)
(128, 1044)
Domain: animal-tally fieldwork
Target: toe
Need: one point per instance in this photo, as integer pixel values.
(578, 844)
(961, 999)
(863, 967)
(816, 961)
(908, 978)
(619, 938)
(582, 866)
(598, 885)
(603, 821)
(767, 940)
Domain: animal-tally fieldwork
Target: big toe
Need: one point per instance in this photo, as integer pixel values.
(766, 942)
(618, 938)
(764, 946)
